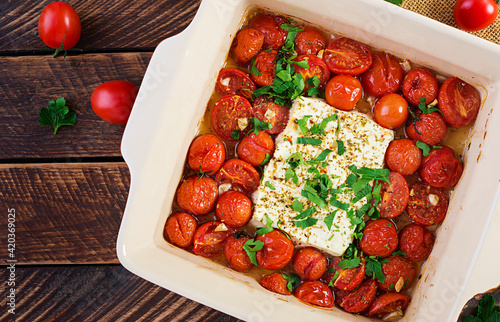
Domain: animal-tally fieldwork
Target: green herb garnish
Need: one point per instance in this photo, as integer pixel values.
(57, 114)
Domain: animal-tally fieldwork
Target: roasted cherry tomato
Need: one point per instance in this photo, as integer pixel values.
(209, 238)
(391, 111)
(384, 76)
(428, 128)
(180, 229)
(440, 168)
(113, 101)
(347, 56)
(309, 41)
(343, 92)
(236, 257)
(309, 263)
(399, 272)
(315, 293)
(403, 156)
(246, 45)
(233, 208)
(418, 83)
(380, 238)
(394, 196)
(266, 110)
(275, 283)
(230, 113)
(255, 149)
(59, 23)
(240, 175)
(348, 278)
(266, 65)
(459, 101)
(416, 242)
(317, 67)
(206, 154)
(473, 15)
(197, 195)
(274, 36)
(427, 205)
(388, 303)
(276, 252)
(357, 300)
(233, 81)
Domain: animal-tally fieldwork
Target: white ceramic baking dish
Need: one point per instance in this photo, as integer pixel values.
(172, 101)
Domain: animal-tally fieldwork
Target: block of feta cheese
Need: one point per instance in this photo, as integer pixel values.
(323, 157)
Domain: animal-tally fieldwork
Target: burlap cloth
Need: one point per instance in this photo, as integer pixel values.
(442, 10)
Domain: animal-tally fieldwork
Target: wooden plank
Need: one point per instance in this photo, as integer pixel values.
(29, 83)
(105, 24)
(98, 293)
(64, 213)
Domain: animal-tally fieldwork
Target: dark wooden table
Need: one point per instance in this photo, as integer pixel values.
(68, 191)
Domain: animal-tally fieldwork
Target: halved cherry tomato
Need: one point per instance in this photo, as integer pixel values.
(197, 195)
(255, 148)
(384, 76)
(388, 303)
(357, 300)
(309, 41)
(459, 101)
(347, 56)
(233, 81)
(416, 242)
(380, 238)
(399, 272)
(210, 237)
(276, 252)
(240, 175)
(309, 263)
(266, 110)
(428, 128)
(230, 113)
(236, 257)
(233, 208)
(427, 205)
(59, 23)
(274, 36)
(343, 92)
(180, 229)
(418, 83)
(206, 154)
(440, 168)
(317, 67)
(394, 196)
(348, 278)
(403, 156)
(473, 15)
(315, 293)
(266, 65)
(275, 283)
(391, 111)
(246, 45)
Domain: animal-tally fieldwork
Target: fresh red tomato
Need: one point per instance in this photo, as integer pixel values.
(459, 101)
(233, 81)
(347, 56)
(315, 293)
(113, 101)
(419, 83)
(384, 76)
(255, 148)
(236, 257)
(180, 229)
(206, 154)
(343, 92)
(230, 113)
(309, 263)
(388, 303)
(59, 23)
(276, 252)
(265, 63)
(317, 67)
(416, 242)
(275, 283)
(428, 128)
(266, 110)
(440, 168)
(473, 15)
(380, 238)
(357, 300)
(309, 41)
(427, 205)
(394, 196)
(197, 195)
(348, 278)
(403, 156)
(240, 175)
(399, 272)
(209, 238)
(274, 36)
(246, 45)
(391, 111)
(233, 208)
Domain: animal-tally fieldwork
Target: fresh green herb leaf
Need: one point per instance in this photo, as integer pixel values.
(303, 124)
(438, 146)
(290, 174)
(374, 268)
(329, 220)
(361, 194)
(487, 311)
(251, 246)
(343, 206)
(425, 109)
(301, 64)
(270, 186)
(306, 213)
(361, 211)
(266, 159)
(340, 147)
(308, 222)
(235, 135)
(311, 141)
(290, 38)
(424, 147)
(297, 206)
(396, 2)
(264, 230)
(57, 114)
(295, 159)
(322, 156)
(350, 263)
(293, 281)
(335, 276)
(253, 70)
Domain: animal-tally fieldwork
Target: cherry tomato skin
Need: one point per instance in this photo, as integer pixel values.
(380, 238)
(226, 114)
(206, 154)
(266, 110)
(309, 41)
(274, 36)
(391, 111)
(275, 283)
(394, 196)
(349, 278)
(388, 303)
(317, 67)
(233, 81)
(397, 268)
(343, 92)
(233, 208)
(309, 263)
(241, 175)
(474, 15)
(235, 255)
(403, 156)
(430, 128)
(315, 293)
(459, 101)
(209, 239)
(357, 300)
(197, 195)
(384, 76)
(276, 252)
(113, 101)
(427, 205)
(266, 65)
(246, 45)
(255, 148)
(347, 56)
(59, 22)
(440, 168)
(416, 242)
(180, 229)
(418, 83)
